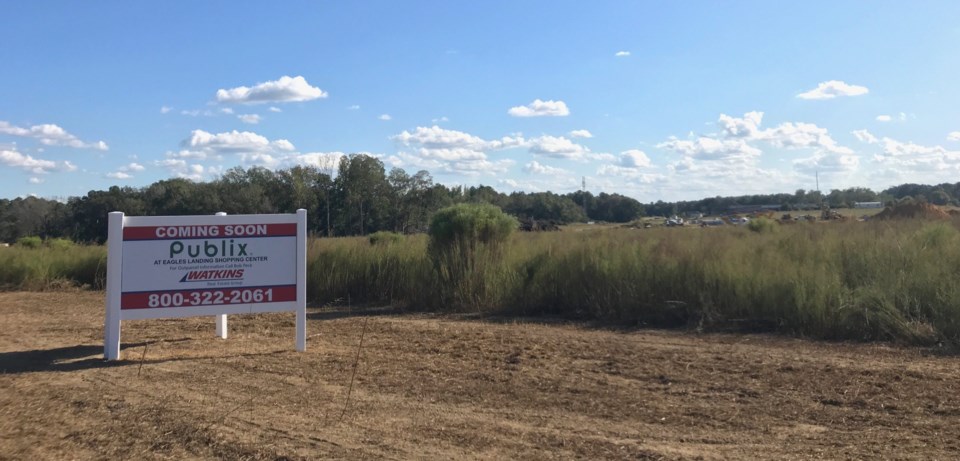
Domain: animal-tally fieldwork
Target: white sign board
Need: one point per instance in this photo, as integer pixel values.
(185, 266)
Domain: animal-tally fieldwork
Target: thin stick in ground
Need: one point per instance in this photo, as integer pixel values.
(356, 363)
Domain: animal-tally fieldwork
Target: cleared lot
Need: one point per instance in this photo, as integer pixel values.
(446, 387)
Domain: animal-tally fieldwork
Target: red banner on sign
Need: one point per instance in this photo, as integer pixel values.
(208, 297)
(209, 231)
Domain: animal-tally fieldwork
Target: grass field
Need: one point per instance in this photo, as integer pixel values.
(891, 281)
(853, 280)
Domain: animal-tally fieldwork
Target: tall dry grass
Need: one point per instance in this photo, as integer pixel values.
(865, 281)
(53, 266)
(869, 281)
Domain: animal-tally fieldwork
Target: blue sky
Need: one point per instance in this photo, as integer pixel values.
(655, 100)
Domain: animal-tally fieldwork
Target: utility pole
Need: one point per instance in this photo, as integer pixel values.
(817, 173)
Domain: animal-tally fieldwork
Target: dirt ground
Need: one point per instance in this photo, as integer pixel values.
(441, 387)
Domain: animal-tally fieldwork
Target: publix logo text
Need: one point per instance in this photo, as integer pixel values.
(210, 249)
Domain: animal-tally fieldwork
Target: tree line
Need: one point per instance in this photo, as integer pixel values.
(940, 194)
(357, 197)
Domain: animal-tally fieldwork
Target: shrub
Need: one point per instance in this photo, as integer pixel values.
(470, 224)
(762, 225)
(466, 246)
(30, 242)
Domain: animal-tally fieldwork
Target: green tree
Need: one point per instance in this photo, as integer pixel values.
(363, 189)
(89, 213)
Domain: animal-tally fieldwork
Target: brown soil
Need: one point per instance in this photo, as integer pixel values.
(913, 211)
(439, 387)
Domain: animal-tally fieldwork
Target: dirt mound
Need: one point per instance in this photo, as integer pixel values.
(913, 211)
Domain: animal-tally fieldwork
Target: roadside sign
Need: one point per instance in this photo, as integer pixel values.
(187, 266)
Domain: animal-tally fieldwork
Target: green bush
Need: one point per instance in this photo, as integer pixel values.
(762, 225)
(470, 224)
(29, 242)
(466, 246)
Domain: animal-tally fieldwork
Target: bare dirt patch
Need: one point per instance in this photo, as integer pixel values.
(437, 387)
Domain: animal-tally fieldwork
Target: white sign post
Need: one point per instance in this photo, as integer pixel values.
(187, 266)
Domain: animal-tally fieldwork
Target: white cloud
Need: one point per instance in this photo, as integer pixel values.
(953, 136)
(202, 145)
(260, 159)
(558, 147)
(207, 112)
(519, 186)
(893, 148)
(35, 180)
(622, 54)
(252, 119)
(450, 151)
(286, 89)
(634, 158)
(234, 141)
(539, 108)
(864, 136)
(786, 135)
(907, 161)
(440, 138)
(165, 109)
(802, 135)
(385, 117)
(703, 148)
(633, 175)
(15, 159)
(436, 137)
(466, 167)
(884, 118)
(580, 134)
(746, 127)
(832, 89)
(275, 109)
(440, 120)
(823, 162)
(729, 161)
(50, 135)
(633, 165)
(354, 107)
(536, 167)
(124, 171)
(181, 169)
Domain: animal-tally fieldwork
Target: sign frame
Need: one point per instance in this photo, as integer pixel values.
(117, 222)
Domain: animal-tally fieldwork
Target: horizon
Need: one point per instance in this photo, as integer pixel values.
(652, 101)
